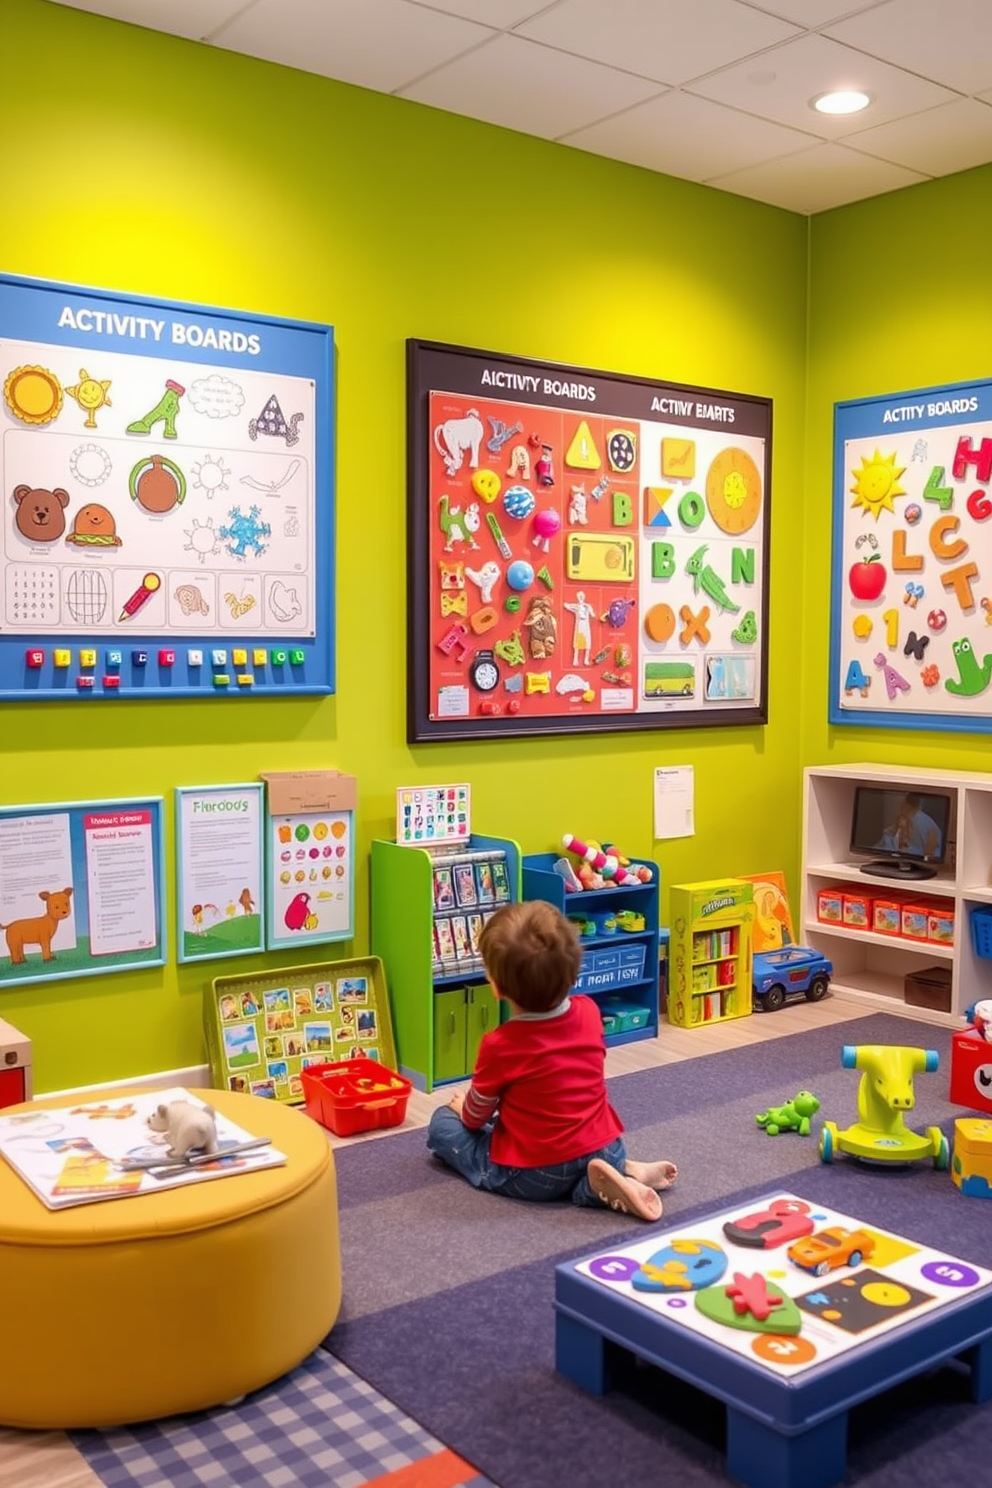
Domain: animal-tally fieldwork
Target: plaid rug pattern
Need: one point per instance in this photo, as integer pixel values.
(320, 1426)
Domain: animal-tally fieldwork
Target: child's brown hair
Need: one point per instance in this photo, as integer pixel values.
(532, 954)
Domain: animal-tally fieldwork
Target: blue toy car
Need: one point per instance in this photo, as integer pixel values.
(794, 971)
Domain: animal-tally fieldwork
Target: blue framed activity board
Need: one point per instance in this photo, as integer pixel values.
(220, 866)
(168, 498)
(911, 584)
(80, 889)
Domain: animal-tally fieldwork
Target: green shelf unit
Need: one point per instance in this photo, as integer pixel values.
(613, 969)
(439, 1016)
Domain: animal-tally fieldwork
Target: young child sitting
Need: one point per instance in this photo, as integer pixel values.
(536, 1122)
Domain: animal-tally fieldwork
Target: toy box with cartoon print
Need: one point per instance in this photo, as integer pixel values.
(971, 1164)
(971, 1071)
(264, 1030)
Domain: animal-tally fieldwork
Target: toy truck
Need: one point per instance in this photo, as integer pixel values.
(780, 976)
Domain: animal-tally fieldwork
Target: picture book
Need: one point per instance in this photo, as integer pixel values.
(106, 1150)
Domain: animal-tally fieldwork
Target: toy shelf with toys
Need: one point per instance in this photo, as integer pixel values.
(709, 956)
(428, 907)
(618, 926)
(890, 934)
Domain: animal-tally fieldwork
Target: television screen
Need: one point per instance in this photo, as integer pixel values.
(906, 831)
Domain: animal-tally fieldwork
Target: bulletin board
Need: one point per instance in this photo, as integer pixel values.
(587, 551)
(168, 498)
(80, 889)
(911, 629)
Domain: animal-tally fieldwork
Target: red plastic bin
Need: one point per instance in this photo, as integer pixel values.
(355, 1095)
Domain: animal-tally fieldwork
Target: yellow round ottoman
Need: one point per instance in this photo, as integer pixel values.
(135, 1308)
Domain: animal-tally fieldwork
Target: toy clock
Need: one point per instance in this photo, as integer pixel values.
(483, 672)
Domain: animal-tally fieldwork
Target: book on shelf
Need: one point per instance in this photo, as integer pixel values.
(97, 1150)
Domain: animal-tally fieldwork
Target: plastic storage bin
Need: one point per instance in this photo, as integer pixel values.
(355, 1095)
(616, 967)
(981, 932)
(930, 988)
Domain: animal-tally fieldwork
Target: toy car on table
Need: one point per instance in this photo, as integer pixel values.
(830, 1248)
(794, 971)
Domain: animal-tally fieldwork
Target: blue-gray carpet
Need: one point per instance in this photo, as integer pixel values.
(448, 1292)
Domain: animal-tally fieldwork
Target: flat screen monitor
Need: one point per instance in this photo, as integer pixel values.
(904, 831)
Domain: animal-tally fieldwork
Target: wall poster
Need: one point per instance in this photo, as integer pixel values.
(220, 867)
(911, 632)
(168, 498)
(587, 550)
(80, 889)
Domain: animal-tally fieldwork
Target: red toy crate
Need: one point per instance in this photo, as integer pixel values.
(355, 1095)
(969, 1054)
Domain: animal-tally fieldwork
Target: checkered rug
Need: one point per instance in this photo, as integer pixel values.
(319, 1427)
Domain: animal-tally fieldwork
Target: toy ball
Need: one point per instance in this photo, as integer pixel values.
(518, 502)
(520, 575)
(936, 620)
(913, 513)
(547, 523)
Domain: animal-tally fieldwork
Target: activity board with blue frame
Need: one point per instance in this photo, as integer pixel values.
(911, 636)
(168, 498)
(80, 889)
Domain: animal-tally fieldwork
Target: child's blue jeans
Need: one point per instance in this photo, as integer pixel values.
(468, 1153)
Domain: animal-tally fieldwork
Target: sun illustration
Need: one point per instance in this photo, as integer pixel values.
(876, 483)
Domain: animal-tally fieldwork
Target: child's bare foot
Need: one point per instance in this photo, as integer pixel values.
(655, 1174)
(619, 1191)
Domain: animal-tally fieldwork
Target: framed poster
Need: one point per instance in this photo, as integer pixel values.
(168, 498)
(587, 550)
(911, 583)
(80, 889)
(220, 871)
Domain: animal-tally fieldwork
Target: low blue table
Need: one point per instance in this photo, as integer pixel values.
(782, 1431)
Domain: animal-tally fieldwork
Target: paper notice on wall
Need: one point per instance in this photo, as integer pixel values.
(674, 790)
(120, 877)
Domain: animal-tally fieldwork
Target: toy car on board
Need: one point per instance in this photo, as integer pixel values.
(827, 1249)
(794, 971)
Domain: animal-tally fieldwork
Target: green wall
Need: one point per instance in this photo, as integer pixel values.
(154, 166)
(900, 298)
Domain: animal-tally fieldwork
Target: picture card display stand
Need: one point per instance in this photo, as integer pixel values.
(310, 856)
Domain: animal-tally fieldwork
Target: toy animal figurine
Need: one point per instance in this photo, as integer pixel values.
(793, 1116)
(188, 1127)
(885, 1092)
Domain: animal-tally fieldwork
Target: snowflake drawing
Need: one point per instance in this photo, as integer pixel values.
(245, 532)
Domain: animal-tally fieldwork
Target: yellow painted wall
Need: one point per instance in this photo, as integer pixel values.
(150, 165)
(900, 298)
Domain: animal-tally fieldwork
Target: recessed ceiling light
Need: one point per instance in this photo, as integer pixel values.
(844, 101)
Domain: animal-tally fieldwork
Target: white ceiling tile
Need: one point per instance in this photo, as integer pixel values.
(378, 44)
(813, 13)
(193, 19)
(951, 138)
(950, 41)
(528, 87)
(782, 86)
(662, 39)
(500, 14)
(688, 137)
(818, 179)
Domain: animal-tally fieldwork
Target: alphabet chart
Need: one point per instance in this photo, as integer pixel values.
(429, 814)
(167, 482)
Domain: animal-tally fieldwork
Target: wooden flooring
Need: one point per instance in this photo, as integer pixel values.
(49, 1460)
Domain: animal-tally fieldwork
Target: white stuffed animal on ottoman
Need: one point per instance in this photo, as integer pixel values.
(189, 1127)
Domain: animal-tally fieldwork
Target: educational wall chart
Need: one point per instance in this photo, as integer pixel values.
(80, 889)
(219, 868)
(431, 814)
(167, 478)
(729, 1279)
(588, 551)
(911, 633)
(310, 856)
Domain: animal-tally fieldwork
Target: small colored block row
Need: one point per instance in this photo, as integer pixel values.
(113, 660)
